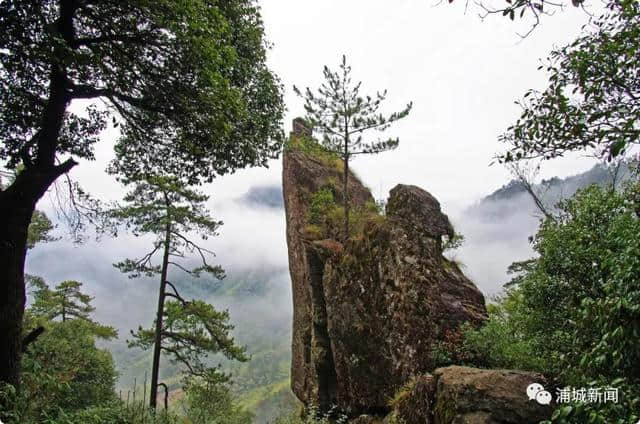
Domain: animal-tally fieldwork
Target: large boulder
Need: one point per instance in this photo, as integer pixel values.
(463, 395)
(473, 396)
(368, 312)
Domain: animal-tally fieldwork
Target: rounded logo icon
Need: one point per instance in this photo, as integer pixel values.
(533, 389)
(543, 397)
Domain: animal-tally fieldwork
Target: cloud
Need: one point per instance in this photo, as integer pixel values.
(264, 196)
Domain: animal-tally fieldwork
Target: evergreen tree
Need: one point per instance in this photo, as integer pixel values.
(186, 82)
(191, 330)
(342, 116)
(63, 370)
(166, 208)
(65, 302)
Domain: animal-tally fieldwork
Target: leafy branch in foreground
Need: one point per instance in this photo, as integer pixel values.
(534, 10)
(593, 97)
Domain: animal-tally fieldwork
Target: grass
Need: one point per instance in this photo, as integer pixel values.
(326, 217)
(316, 150)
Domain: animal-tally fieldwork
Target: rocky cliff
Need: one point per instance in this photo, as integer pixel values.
(369, 311)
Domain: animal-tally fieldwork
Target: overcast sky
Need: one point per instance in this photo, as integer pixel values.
(463, 76)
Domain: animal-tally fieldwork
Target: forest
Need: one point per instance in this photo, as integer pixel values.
(170, 253)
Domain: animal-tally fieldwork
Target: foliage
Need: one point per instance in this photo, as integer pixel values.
(64, 372)
(165, 206)
(574, 312)
(212, 402)
(186, 82)
(185, 330)
(341, 115)
(192, 330)
(194, 72)
(325, 216)
(593, 97)
(502, 341)
(534, 10)
(40, 230)
(65, 302)
(316, 150)
(321, 202)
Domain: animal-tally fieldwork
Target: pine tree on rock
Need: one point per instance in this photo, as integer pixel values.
(185, 330)
(341, 115)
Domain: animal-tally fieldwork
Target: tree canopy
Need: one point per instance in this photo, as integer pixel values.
(187, 81)
(168, 209)
(593, 97)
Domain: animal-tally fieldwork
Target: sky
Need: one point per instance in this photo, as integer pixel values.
(462, 74)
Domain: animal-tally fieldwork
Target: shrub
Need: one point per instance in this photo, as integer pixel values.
(326, 216)
(573, 313)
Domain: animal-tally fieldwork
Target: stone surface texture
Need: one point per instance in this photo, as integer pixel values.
(369, 311)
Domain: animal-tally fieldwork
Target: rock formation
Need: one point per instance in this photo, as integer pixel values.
(369, 311)
(463, 395)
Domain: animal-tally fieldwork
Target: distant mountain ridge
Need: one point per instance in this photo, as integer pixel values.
(264, 196)
(600, 174)
(499, 227)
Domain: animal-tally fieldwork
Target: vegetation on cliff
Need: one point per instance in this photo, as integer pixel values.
(342, 116)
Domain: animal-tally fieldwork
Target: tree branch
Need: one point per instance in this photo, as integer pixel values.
(31, 337)
(175, 294)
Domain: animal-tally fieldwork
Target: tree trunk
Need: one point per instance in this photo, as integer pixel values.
(346, 197)
(17, 204)
(157, 345)
(14, 222)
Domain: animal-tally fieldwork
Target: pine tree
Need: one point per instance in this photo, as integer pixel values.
(186, 83)
(65, 302)
(166, 208)
(341, 115)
